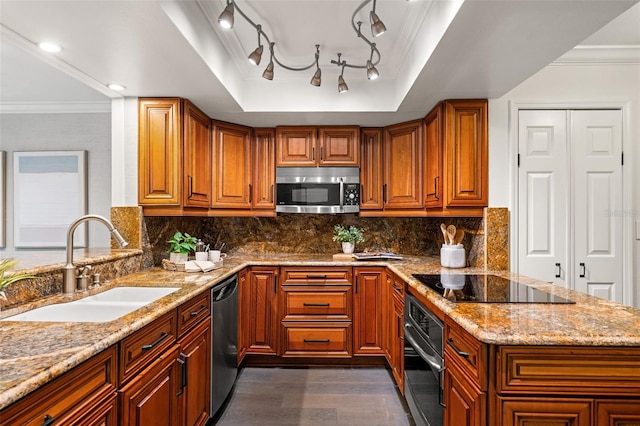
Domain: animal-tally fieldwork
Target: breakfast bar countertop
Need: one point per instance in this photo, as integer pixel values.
(34, 353)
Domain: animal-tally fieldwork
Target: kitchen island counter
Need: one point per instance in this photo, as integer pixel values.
(34, 353)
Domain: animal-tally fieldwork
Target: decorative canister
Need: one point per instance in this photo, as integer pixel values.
(453, 256)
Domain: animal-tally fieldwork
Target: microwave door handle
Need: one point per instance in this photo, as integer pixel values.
(341, 195)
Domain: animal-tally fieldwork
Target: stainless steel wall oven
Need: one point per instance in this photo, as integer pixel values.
(423, 363)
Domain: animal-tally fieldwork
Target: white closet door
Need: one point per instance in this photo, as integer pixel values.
(596, 150)
(543, 200)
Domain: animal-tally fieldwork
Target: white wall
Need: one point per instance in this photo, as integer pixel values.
(573, 85)
(63, 131)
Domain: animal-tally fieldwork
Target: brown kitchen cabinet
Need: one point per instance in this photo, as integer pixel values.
(316, 312)
(403, 147)
(244, 294)
(174, 161)
(261, 327)
(371, 179)
(317, 146)
(232, 166)
(368, 310)
(396, 331)
(84, 395)
(456, 162)
(264, 169)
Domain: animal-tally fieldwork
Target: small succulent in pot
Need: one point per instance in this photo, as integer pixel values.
(348, 237)
(5, 265)
(180, 245)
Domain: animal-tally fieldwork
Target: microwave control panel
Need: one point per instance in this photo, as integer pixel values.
(351, 194)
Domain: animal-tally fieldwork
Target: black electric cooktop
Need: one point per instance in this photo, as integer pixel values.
(485, 289)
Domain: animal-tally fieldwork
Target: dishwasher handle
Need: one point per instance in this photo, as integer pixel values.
(224, 290)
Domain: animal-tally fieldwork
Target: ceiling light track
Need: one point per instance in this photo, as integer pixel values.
(226, 20)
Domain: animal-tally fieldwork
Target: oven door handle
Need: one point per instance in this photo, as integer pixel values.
(428, 358)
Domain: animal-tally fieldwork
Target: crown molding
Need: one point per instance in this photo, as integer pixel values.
(601, 55)
(55, 107)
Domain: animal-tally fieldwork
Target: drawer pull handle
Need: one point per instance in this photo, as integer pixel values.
(458, 351)
(48, 420)
(183, 374)
(199, 311)
(316, 304)
(397, 288)
(317, 340)
(316, 277)
(160, 339)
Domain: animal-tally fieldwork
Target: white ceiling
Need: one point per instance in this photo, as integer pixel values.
(432, 50)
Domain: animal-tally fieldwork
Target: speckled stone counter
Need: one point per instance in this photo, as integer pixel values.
(33, 353)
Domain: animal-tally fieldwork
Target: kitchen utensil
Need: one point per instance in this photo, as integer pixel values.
(451, 232)
(459, 236)
(443, 228)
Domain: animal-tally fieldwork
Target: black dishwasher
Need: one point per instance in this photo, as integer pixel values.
(224, 341)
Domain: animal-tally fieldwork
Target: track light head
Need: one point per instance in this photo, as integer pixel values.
(226, 17)
(316, 80)
(342, 86)
(268, 72)
(256, 55)
(372, 72)
(377, 27)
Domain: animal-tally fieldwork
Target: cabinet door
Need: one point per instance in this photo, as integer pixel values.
(263, 311)
(618, 412)
(151, 398)
(232, 164)
(195, 361)
(159, 151)
(403, 162)
(264, 169)
(296, 146)
(433, 127)
(371, 169)
(339, 146)
(465, 403)
(197, 157)
(388, 316)
(367, 311)
(465, 153)
(244, 300)
(397, 343)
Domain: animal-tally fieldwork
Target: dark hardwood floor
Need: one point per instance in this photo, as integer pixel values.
(314, 396)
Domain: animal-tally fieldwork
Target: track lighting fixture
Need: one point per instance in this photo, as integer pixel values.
(226, 20)
(256, 55)
(226, 17)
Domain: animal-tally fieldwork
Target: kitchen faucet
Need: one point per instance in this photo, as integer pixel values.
(69, 277)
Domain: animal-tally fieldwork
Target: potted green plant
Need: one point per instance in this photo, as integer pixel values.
(5, 265)
(180, 245)
(348, 237)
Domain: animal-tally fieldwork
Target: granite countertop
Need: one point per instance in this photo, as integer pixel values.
(34, 353)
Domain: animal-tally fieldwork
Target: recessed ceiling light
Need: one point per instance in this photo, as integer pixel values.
(115, 86)
(50, 47)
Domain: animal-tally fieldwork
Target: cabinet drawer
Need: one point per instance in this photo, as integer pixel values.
(69, 396)
(570, 369)
(192, 312)
(316, 276)
(332, 340)
(142, 347)
(467, 352)
(544, 411)
(315, 303)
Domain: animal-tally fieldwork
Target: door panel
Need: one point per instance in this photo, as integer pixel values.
(542, 200)
(596, 146)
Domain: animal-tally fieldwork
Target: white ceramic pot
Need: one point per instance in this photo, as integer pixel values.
(347, 247)
(178, 257)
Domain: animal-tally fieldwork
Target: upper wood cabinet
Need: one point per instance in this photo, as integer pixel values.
(232, 166)
(174, 156)
(197, 157)
(433, 159)
(403, 147)
(465, 153)
(371, 169)
(313, 146)
(159, 151)
(264, 169)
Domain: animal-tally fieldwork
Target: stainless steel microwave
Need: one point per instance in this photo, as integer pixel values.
(317, 189)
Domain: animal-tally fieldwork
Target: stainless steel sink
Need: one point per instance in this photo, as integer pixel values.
(102, 307)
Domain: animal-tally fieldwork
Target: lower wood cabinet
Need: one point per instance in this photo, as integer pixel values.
(151, 397)
(546, 412)
(71, 398)
(368, 310)
(314, 339)
(465, 403)
(260, 293)
(195, 364)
